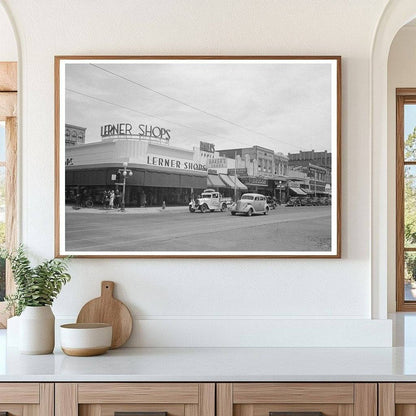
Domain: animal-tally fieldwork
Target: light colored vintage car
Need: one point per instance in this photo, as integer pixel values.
(250, 204)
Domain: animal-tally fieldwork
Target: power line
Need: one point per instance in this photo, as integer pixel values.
(193, 107)
(149, 115)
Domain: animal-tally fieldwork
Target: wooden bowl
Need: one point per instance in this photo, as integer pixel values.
(85, 340)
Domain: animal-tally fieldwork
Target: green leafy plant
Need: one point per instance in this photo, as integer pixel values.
(35, 286)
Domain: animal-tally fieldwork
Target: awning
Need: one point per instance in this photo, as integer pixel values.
(214, 181)
(298, 191)
(193, 181)
(232, 182)
(240, 184)
(153, 178)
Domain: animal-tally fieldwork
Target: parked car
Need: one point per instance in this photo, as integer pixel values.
(306, 201)
(210, 201)
(315, 201)
(294, 201)
(324, 200)
(250, 204)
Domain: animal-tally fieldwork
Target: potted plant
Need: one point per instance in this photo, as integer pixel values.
(36, 289)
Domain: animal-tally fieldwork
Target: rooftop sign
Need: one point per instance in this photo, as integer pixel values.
(207, 147)
(141, 130)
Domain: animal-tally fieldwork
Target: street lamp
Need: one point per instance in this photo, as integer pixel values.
(280, 192)
(125, 172)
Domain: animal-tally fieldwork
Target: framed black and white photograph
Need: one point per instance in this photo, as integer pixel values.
(197, 156)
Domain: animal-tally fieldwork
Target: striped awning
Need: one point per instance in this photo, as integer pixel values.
(232, 182)
(240, 184)
(214, 181)
(298, 191)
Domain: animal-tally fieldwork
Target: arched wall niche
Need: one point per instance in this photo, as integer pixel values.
(401, 74)
(9, 50)
(396, 14)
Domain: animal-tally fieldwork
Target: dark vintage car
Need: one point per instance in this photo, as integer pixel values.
(324, 200)
(315, 201)
(294, 201)
(306, 201)
(250, 204)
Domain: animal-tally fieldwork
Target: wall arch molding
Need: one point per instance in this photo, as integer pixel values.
(396, 14)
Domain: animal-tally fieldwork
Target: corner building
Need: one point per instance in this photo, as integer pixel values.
(159, 172)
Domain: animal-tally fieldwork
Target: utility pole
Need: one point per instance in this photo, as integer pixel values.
(124, 172)
(235, 176)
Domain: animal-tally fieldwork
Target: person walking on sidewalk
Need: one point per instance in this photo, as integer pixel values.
(117, 198)
(111, 202)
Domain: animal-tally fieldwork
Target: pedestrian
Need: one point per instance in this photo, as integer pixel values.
(106, 198)
(111, 200)
(117, 198)
(78, 200)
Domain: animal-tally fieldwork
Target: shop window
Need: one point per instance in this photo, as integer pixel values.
(406, 200)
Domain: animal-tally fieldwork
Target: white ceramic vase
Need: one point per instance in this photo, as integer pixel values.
(37, 330)
(13, 331)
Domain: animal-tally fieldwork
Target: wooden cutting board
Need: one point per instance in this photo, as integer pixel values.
(107, 309)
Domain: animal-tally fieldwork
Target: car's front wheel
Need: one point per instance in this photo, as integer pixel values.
(266, 211)
(250, 212)
(204, 208)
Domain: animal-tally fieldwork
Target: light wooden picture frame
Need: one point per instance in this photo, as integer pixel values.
(198, 156)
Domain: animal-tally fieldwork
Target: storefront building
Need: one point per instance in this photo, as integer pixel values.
(314, 162)
(158, 173)
(260, 169)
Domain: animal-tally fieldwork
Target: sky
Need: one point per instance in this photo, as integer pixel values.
(283, 107)
(409, 119)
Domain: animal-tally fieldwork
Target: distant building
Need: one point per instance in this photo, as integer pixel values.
(260, 169)
(323, 159)
(74, 135)
(281, 164)
(316, 169)
(267, 163)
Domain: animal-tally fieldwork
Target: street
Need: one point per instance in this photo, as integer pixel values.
(176, 229)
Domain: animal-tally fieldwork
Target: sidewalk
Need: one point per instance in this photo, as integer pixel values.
(129, 210)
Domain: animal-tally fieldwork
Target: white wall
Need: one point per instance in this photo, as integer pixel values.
(8, 47)
(401, 74)
(211, 302)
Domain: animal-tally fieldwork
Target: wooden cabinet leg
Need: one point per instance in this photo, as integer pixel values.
(66, 399)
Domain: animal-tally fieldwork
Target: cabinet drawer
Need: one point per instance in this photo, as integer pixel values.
(297, 399)
(21, 399)
(397, 399)
(148, 399)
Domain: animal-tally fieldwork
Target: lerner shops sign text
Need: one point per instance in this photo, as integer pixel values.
(143, 130)
(166, 162)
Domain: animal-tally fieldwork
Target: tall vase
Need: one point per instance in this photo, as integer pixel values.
(13, 332)
(37, 330)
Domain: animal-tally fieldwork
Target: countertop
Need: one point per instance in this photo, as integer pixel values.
(213, 365)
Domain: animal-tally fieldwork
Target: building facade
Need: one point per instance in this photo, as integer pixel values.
(260, 169)
(311, 160)
(74, 135)
(160, 173)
